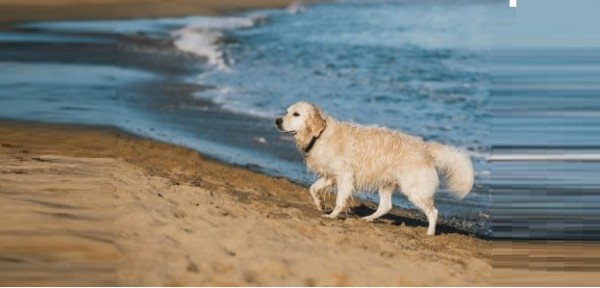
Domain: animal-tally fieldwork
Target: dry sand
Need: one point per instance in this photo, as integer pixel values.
(546, 263)
(94, 206)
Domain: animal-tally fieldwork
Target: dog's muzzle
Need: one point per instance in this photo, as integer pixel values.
(279, 122)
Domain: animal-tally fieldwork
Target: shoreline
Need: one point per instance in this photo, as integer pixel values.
(93, 205)
(161, 202)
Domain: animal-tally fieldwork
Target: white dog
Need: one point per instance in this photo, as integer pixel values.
(352, 158)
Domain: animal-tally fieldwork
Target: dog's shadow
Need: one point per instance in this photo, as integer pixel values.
(363, 210)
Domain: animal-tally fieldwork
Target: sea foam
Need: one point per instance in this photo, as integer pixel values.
(198, 35)
(203, 37)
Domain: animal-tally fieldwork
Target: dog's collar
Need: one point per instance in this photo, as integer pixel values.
(312, 142)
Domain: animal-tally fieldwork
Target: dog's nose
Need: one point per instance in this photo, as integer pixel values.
(278, 121)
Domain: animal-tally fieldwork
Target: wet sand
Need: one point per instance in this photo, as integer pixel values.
(42, 10)
(95, 206)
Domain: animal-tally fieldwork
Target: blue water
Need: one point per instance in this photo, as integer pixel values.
(445, 70)
(544, 109)
(416, 66)
(411, 66)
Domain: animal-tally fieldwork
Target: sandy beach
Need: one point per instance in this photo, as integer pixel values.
(95, 206)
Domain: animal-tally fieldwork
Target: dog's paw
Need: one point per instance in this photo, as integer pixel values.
(320, 207)
(330, 216)
(368, 219)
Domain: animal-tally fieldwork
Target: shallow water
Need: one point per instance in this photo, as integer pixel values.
(544, 113)
(429, 68)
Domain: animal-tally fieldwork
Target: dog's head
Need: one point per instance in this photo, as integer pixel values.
(304, 120)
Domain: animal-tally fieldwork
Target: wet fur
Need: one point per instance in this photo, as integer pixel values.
(356, 158)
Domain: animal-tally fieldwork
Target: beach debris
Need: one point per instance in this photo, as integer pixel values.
(230, 253)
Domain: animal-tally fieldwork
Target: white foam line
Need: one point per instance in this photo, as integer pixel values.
(558, 157)
(201, 42)
(203, 37)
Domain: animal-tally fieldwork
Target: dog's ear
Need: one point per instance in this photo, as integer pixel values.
(315, 124)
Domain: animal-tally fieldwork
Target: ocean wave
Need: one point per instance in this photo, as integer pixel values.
(198, 35)
(204, 37)
(296, 7)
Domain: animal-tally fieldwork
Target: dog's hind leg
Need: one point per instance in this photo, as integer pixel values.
(385, 203)
(419, 186)
(426, 205)
(317, 188)
(345, 185)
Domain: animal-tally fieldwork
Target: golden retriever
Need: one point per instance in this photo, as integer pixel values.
(354, 157)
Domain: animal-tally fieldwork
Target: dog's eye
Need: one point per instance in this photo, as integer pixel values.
(296, 114)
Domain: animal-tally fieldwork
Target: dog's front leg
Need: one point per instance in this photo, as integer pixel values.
(317, 188)
(345, 185)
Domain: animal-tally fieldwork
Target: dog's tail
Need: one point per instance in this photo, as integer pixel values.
(456, 167)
